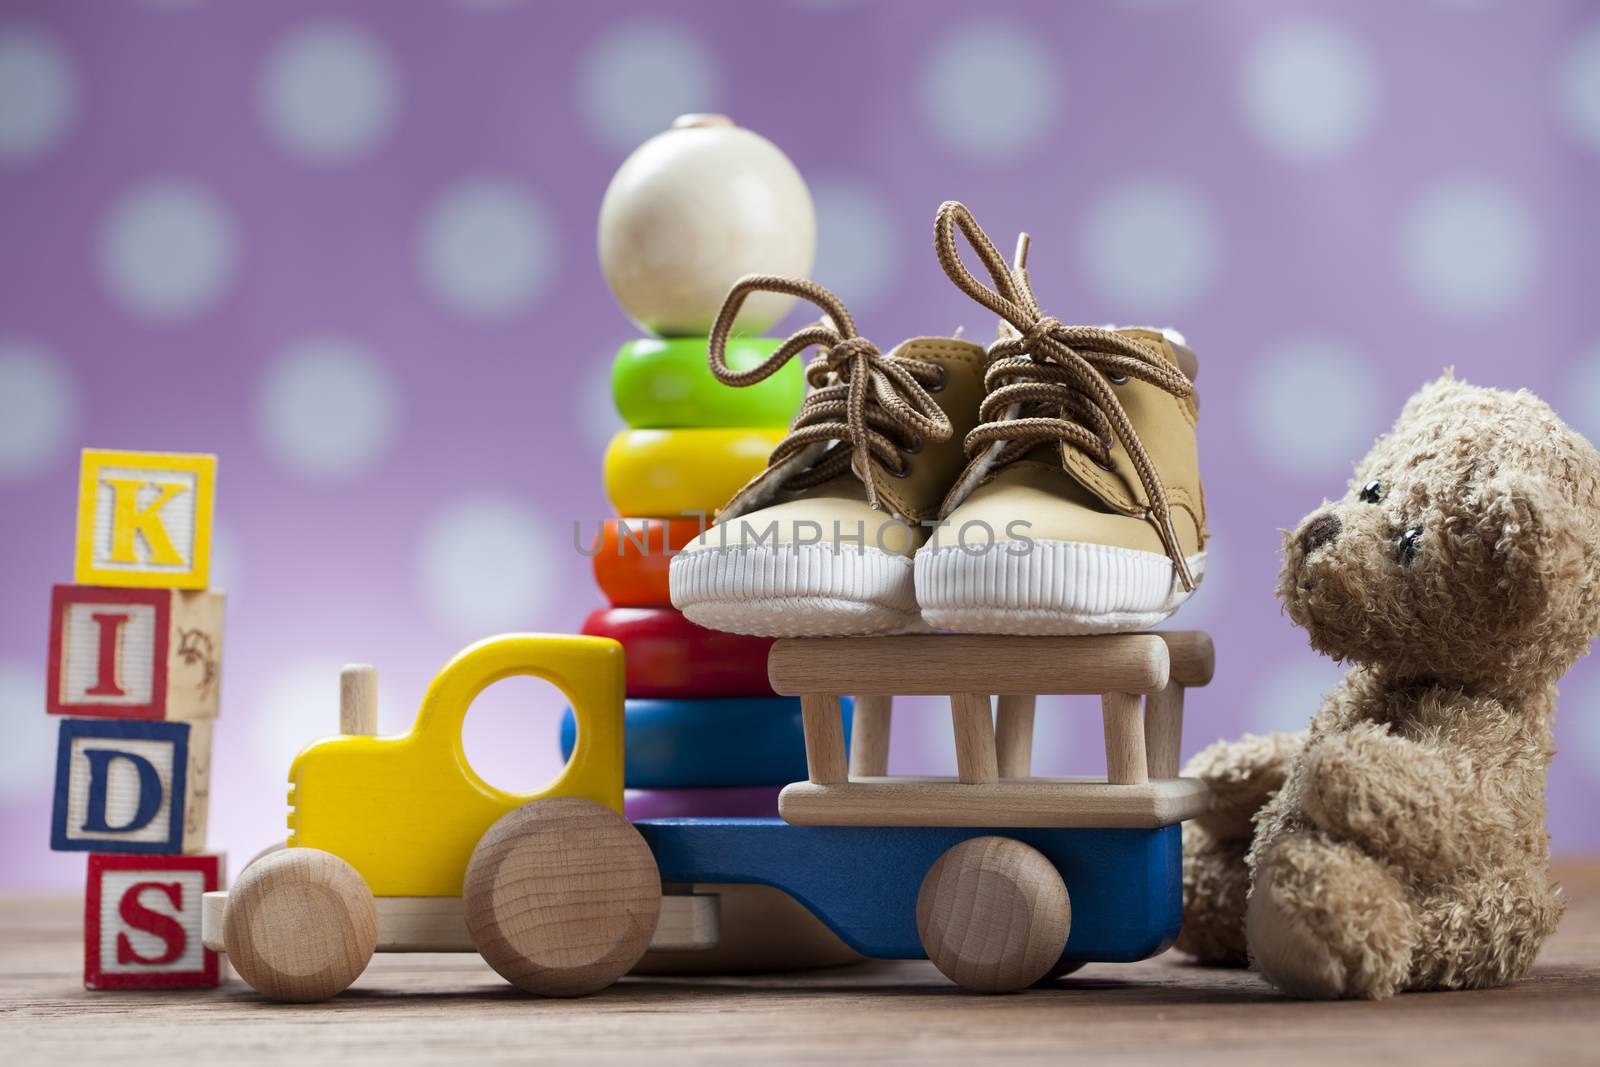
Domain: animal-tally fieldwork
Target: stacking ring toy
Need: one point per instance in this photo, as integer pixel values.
(633, 556)
(659, 384)
(720, 742)
(683, 472)
(756, 802)
(669, 657)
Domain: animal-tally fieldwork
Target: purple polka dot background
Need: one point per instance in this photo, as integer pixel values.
(349, 247)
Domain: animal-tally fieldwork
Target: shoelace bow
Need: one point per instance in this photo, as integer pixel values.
(877, 406)
(1047, 366)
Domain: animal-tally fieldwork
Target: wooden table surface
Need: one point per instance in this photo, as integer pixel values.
(422, 1009)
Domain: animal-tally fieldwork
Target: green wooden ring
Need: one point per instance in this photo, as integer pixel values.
(667, 384)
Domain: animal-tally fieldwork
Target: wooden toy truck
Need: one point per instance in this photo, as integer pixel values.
(999, 877)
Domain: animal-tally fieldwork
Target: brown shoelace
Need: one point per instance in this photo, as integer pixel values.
(876, 406)
(1057, 374)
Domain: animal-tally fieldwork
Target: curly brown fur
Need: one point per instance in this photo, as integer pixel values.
(1243, 775)
(1407, 848)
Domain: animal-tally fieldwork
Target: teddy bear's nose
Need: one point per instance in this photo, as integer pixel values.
(1318, 532)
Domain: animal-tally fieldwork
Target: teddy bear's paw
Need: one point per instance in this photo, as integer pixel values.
(1243, 775)
(1216, 882)
(1391, 797)
(1327, 921)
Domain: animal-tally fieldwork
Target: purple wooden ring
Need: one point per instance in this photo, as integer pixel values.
(740, 802)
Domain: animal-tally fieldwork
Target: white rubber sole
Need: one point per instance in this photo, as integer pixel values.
(1057, 587)
(796, 591)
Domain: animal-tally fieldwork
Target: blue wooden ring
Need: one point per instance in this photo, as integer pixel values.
(711, 742)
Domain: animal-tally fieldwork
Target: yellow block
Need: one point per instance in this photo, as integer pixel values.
(144, 519)
(407, 811)
(674, 472)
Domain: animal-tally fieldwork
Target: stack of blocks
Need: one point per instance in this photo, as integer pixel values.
(706, 735)
(134, 665)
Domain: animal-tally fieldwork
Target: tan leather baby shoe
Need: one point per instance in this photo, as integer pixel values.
(821, 542)
(1080, 510)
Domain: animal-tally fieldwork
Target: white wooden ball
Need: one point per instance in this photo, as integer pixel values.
(694, 209)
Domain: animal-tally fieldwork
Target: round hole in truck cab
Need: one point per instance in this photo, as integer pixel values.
(512, 734)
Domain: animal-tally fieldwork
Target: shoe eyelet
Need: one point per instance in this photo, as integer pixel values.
(1109, 465)
(944, 376)
(903, 472)
(914, 447)
(1117, 379)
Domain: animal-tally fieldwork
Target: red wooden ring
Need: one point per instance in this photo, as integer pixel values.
(670, 657)
(633, 556)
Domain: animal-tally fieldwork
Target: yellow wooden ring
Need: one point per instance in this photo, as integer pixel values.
(674, 472)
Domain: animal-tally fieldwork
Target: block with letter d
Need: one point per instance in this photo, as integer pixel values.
(131, 786)
(134, 653)
(144, 519)
(141, 922)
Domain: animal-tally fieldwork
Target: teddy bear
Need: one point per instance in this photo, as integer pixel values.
(1399, 843)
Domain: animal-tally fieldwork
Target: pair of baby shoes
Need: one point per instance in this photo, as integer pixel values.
(1046, 485)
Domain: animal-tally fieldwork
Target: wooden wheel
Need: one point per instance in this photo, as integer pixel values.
(562, 897)
(993, 915)
(301, 925)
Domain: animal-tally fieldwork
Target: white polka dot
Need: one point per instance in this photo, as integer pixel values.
(486, 564)
(1578, 87)
(1313, 404)
(1151, 247)
(38, 94)
(168, 250)
(857, 241)
(639, 76)
(28, 758)
(488, 247)
(329, 93)
(38, 409)
(1470, 248)
(1580, 404)
(328, 409)
(1308, 91)
(298, 705)
(1289, 695)
(989, 88)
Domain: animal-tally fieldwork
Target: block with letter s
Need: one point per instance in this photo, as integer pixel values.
(141, 923)
(131, 786)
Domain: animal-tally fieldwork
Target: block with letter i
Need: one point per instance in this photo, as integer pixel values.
(134, 653)
(144, 519)
(131, 786)
(141, 922)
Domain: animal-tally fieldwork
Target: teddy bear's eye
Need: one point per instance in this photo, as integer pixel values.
(1372, 492)
(1408, 544)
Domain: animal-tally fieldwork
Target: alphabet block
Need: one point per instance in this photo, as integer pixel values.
(134, 653)
(131, 786)
(141, 922)
(144, 519)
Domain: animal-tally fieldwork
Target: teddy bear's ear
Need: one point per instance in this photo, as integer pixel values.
(1525, 526)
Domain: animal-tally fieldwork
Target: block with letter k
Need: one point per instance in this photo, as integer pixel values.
(144, 519)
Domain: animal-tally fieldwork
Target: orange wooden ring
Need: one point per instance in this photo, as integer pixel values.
(633, 557)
